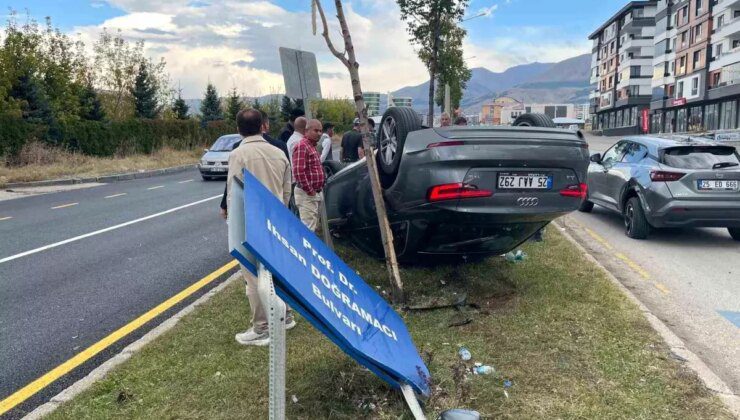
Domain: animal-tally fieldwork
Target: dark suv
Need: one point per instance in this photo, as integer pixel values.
(667, 182)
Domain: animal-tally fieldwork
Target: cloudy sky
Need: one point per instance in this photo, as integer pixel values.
(234, 43)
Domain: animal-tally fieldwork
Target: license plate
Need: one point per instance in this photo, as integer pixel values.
(524, 181)
(718, 184)
(219, 169)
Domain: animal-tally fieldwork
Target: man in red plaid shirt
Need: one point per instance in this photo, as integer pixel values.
(308, 175)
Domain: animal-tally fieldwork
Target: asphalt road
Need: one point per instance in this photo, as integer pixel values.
(57, 301)
(690, 278)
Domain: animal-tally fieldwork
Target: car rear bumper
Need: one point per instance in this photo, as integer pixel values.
(681, 213)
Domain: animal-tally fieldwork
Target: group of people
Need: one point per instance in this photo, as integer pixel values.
(291, 168)
(445, 120)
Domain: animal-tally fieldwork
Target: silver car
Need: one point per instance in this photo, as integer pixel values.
(658, 182)
(215, 162)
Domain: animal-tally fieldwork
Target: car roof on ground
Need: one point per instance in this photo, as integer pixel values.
(672, 140)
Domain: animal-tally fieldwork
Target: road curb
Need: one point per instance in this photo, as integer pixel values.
(677, 347)
(103, 178)
(102, 371)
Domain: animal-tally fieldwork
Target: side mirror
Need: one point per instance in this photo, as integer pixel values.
(205, 150)
(596, 158)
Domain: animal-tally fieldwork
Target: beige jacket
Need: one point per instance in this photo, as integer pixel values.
(265, 161)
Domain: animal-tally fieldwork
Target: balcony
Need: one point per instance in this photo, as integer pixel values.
(725, 59)
(730, 29)
(726, 4)
(634, 44)
(635, 25)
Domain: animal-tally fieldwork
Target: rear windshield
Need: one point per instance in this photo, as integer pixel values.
(701, 157)
(225, 143)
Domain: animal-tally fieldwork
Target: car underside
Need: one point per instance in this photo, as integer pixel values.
(459, 191)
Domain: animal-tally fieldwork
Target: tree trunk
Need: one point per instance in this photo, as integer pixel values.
(430, 115)
(350, 62)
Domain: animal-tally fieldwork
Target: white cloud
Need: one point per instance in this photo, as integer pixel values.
(235, 43)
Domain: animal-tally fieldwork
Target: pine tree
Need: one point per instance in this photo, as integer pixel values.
(90, 105)
(286, 108)
(180, 108)
(29, 92)
(234, 104)
(210, 108)
(257, 105)
(145, 93)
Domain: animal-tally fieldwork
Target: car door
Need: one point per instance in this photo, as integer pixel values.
(598, 185)
(622, 172)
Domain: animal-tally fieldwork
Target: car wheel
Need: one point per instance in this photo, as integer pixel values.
(331, 167)
(206, 178)
(735, 233)
(635, 223)
(586, 206)
(397, 122)
(534, 120)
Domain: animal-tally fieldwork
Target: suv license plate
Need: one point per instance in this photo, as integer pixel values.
(524, 181)
(718, 184)
(219, 169)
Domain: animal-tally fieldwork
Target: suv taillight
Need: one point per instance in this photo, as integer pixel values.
(665, 176)
(575, 190)
(456, 191)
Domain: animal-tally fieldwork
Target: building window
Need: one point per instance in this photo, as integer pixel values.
(679, 91)
(711, 117)
(720, 21)
(681, 121)
(728, 115)
(697, 33)
(735, 43)
(633, 117)
(697, 58)
(698, 7)
(718, 51)
(695, 119)
(669, 122)
(683, 38)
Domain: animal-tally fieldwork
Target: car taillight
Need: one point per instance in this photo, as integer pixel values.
(665, 176)
(456, 191)
(445, 144)
(575, 190)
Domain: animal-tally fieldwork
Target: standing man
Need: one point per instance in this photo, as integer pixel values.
(352, 149)
(308, 175)
(325, 143)
(444, 120)
(268, 164)
(287, 131)
(300, 129)
(280, 145)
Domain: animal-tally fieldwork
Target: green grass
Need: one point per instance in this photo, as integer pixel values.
(571, 343)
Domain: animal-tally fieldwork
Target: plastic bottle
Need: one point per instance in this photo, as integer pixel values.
(464, 354)
(483, 370)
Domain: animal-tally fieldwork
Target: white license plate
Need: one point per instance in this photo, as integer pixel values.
(718, 184)
(524, 181)
(219, 169)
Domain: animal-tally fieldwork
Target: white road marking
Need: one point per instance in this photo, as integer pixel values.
(108, 229)
(187, 180)
(5, 218)
(115, 195)
(154, 188)
(64, 206)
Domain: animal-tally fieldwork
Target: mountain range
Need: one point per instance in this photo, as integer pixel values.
(564, 82)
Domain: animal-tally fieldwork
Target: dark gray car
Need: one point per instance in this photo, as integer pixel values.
(459, 191)
(667, 182)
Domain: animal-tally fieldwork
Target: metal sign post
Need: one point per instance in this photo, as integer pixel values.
(276, 328)
(301, 76)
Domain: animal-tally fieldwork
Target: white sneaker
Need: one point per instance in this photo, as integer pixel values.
(251, 338)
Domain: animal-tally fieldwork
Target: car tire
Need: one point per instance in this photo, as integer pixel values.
(206, 178)
(331, 167)
(586, 206)
(534, 120)
(635, 224)
(396, 124)
(735, 233)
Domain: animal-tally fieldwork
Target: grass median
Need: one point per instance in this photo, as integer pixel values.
(570, 343)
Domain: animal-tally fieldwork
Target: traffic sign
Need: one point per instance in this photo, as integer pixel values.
(300, 74)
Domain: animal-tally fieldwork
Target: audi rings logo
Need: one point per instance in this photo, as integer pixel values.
(527, 201)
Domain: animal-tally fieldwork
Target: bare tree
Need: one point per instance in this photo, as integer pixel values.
(347, 57)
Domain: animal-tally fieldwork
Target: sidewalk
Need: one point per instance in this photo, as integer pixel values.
(572, 345)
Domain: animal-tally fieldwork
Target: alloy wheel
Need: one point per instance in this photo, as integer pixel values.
(388, 140)
(629, 215)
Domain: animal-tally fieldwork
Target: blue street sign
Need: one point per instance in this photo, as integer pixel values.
(316, 283)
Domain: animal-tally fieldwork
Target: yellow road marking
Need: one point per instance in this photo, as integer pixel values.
(64, 205)
(662, 288)
(154, 188)
(187, 180)
(5, 218)
(598, 238)
(115, 195)
(80, 358)
(633, 265)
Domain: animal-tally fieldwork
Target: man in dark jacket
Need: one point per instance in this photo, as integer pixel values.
(280, 145)
(287, 131)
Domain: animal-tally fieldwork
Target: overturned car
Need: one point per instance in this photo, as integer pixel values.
(459, 191)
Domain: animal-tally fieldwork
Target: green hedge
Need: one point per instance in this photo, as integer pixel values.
(115, 137)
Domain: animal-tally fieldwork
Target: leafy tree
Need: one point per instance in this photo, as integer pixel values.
(427, 23)
(452, 68)
(288, 106)
(90, 105)
(144, 93)
(234, 104)
(210, 108)
(180, 108)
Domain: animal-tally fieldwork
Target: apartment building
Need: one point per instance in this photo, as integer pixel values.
(372, 102)
(622, 69)
(695, 82)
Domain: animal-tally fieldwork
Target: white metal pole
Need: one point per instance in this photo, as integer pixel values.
(276, 328)
(412, 402)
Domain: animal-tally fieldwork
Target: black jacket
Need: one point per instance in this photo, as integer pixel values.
(280, 145)
(286, 132)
